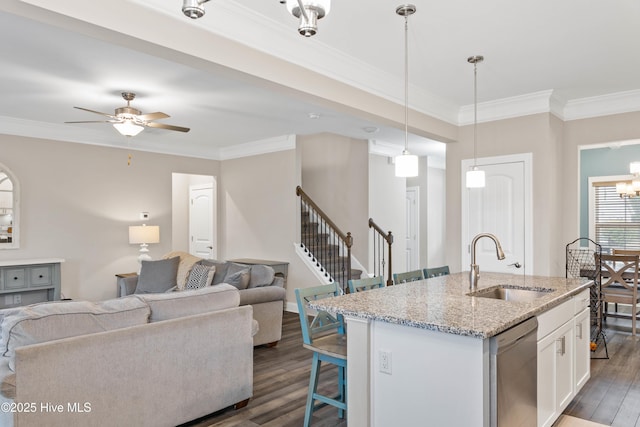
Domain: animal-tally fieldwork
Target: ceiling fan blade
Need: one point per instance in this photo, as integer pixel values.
(96, 121)
(96, 112)
(168, 127)
(153, 116)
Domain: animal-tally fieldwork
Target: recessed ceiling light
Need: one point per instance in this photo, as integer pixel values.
(314, 116)
(370, 129)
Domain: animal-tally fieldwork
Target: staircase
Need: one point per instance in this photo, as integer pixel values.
(325, 244)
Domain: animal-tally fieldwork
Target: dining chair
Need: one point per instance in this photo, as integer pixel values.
(409, 276)
(359, 285)
(621, 285)
(615, 251)
(436, 271)
(325, 336)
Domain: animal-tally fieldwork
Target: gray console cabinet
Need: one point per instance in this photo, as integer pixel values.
(24, 282)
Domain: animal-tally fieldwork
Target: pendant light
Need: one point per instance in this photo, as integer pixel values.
(406, 163)
(475, 177)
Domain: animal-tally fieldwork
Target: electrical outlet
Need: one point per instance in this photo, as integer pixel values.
(17, 299)
(384, 361)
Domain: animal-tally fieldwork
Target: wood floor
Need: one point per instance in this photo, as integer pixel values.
(281, 377)
(280, 384)
(612, 395)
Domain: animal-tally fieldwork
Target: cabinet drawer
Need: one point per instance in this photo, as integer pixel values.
(14, 278)
(552, 319)
(581, 301)
(40, 276)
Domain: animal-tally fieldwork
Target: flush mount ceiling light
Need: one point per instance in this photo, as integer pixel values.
(194, 9)
(309, 11)
(475, 177)
(406, 163)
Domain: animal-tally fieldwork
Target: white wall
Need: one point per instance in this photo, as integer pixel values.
(334, 175)
(387, 207)
(77, 202)
(435, 240)
(258, 211)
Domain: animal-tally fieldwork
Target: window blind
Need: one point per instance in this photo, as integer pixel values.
(617, 219)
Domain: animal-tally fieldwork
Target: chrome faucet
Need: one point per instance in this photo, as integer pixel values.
(474, 274)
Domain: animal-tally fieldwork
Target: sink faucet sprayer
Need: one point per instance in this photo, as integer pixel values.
(475, 268)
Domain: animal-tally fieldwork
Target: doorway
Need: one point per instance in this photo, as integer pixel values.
(192, 224)
(412, 224)
(504, 208)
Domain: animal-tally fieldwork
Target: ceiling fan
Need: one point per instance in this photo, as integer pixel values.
(130, 121)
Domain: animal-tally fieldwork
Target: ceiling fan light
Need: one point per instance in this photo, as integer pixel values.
(475, 178)
(406, 165)
(128, 128)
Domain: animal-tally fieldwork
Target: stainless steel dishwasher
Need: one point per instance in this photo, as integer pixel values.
(513, 373)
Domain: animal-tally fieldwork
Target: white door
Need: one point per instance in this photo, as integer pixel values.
(412, 228)
(202, 221)
(502, 208)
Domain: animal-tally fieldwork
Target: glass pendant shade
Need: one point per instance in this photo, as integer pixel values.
(475, 178)
(128, 128)
(406, 165)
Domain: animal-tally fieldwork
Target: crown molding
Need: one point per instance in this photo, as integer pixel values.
(264, 146)
(605, 105)
(524, 105)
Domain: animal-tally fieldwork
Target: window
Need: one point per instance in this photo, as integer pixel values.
(616, 219)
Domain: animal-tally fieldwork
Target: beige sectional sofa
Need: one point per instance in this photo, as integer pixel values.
(142, 360)
(263, 290)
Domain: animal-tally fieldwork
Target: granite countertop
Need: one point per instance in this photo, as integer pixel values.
(441, 303)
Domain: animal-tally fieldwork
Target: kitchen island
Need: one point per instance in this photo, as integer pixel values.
(418, 353)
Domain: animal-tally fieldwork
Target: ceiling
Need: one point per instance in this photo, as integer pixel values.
(575, 58)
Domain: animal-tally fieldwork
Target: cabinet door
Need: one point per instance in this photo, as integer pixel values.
(555, 373)
(582, 349)
(564, 366)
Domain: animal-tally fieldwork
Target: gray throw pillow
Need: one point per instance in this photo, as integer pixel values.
(157, 276)
(239, 279)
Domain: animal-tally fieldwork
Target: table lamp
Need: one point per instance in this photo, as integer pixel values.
(143, 235)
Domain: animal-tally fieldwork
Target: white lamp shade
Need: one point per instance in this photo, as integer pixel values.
(621, 187)
(320, 4)
(144, 234)
(475, 178)
(406, 165)
(634, 168)
(128, 128)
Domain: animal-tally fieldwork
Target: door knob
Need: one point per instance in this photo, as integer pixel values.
(515, 264)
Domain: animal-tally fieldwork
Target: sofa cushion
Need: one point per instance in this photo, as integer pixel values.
(190, 302)
(238, 275)
(157, 276)
(200, 276)
(187, 261)
(62, 319)
(261, 275)
(221, 269)
(262, 294)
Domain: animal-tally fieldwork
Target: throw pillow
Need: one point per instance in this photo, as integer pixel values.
(184, 267)
(157, 276)
(200, 276)
(261, 275)
(239, 279)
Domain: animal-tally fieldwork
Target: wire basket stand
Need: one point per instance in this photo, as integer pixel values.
(580, 262)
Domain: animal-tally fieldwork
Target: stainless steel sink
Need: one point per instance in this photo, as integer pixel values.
(511, 293)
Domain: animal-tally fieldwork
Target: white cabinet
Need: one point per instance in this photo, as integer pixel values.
(583, 354)
(563, 356)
